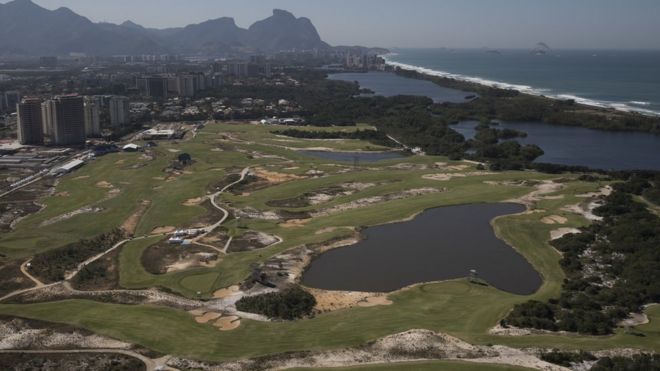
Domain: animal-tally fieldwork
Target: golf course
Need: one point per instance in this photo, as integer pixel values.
(293, 200)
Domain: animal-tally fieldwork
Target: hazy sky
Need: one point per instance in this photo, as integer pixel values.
(415, 23)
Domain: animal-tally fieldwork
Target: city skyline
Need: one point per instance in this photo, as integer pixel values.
(563, 24)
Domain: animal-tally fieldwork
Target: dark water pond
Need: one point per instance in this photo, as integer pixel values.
(389, 84)
(352, 156)
(568, 145)
(439, 244)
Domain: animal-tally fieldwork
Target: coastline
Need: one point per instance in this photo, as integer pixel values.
(524, 89)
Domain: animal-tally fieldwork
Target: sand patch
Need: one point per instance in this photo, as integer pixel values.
(275, 177)
(197, 312)
(130, 224)
(81, 177)
(605, 191)
(62, 194)
(120, 162)
(327, 301)
(449, 176)
(158, 178)
(295, 223)
(364, 202)
(227, 323)
(105, 185)
(163, 230)
(554, 219)
(375, 301)
(174, 150)
(223, 293)
(207, 317)
(206, 260)
(561, 232)
(194, 201)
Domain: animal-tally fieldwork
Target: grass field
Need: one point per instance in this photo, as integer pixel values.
(455, 307)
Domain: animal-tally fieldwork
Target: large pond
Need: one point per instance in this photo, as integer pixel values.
(569, 145)
(439, 244)
(389, 84)
(354, 156)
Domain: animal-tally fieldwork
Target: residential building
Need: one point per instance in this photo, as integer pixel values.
(30, 123)
(92, 117)
(48, 118)
(119, 111)
(10, 99)
(68, 120)
(157, 87)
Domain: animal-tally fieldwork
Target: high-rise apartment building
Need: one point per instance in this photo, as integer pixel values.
(30, 123)
(119, 111)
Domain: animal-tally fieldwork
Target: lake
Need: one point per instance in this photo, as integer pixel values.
(389, 84)
(352, 156)
(570, 145)
(439, 244)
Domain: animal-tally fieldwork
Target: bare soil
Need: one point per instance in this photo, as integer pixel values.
(251, 240)
(163, 257)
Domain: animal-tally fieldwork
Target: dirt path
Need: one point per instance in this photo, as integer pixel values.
(27, 274)
(225, 213)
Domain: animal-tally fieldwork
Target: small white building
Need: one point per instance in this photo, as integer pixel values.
(131, 147)
(68, 167)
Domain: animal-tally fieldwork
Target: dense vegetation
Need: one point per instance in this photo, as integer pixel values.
(52, 265)
(288, 304)
(612, 269)
(567, 359)
(640, 362)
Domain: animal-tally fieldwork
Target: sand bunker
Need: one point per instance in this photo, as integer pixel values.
(120, 162)
(227, 323)
(163, 230)
(223, 293)
(275, 177)
(561, 232)
(449, 176)
(375, 301)
(295, 223)
(81, 177)
(174, 150)
(104, 184)
(206, 260)
(207, 317)
(194, 201)
(554, 219)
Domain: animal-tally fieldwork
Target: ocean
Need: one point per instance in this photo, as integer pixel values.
(625, 80)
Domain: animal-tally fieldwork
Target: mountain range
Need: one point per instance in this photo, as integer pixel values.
(26, 29)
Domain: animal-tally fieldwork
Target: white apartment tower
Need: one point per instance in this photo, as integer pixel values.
(119, 111)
